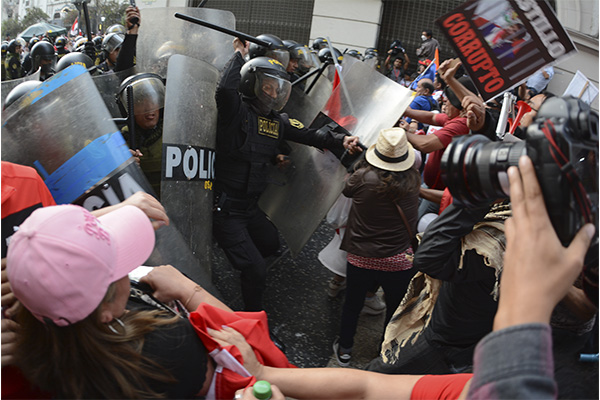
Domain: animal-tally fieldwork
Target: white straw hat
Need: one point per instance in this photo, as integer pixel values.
(392, 152)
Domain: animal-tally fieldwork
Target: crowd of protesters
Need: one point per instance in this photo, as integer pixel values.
(470, 307)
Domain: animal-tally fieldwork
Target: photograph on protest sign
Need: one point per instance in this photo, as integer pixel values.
(502, 42)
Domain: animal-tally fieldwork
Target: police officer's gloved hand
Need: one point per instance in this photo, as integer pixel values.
(90, 50)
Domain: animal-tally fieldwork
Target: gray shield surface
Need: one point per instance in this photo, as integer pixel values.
(305, 107)
(189, 140)
(7, 86)
(83, 158)
(162, 35)
(364, 103)
(108, 85)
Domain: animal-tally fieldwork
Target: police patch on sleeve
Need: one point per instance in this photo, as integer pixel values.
(296, 124)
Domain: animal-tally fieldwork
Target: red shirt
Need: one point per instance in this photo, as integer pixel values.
(450, 128)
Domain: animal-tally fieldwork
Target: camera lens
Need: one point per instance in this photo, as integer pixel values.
(474, 168)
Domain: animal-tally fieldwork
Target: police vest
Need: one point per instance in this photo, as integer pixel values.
(245, 169)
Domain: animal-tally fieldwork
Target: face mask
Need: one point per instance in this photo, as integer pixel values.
(423, 37)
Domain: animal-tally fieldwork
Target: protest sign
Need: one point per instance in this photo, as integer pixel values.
(502, 42)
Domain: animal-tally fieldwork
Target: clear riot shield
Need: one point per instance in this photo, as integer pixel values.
(108, 85)
(7, 86)
(189, 140)
(305, 107)
(364, 104)
(161, 35)
(83, 158)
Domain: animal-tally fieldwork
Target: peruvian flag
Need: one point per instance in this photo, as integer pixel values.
(75, 27)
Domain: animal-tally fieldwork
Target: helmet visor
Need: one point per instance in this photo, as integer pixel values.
(272, 90)
(281, 55)
(148, 95)
(305, 59)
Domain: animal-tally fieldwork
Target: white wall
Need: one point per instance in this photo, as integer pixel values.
(352, 24)
(580, 18)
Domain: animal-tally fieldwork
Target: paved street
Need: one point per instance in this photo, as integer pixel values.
(300, 312)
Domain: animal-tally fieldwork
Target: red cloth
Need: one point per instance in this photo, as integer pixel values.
(441, 387)
(450, 128)
(27, 183)
(446, 200)
(254, 327)
(23, 191)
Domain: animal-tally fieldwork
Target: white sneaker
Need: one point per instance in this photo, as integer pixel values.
(373, 306)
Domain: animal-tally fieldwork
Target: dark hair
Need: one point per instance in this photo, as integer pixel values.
(428, 32)
(427, 85)
(393, 184)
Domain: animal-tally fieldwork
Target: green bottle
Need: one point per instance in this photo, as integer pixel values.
(262, 390)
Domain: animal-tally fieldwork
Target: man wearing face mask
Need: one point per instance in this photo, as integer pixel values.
(250, 131)
(427, 49)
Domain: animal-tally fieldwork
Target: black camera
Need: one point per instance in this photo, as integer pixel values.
(562, 143)
(396, 48)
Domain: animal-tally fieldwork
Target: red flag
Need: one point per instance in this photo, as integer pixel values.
(75, 27)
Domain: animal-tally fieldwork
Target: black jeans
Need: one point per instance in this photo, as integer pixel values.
(358, 282)
(246, 237)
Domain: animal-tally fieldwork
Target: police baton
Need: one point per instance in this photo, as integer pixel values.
(242, 36)
(86, 15)
(130, 117)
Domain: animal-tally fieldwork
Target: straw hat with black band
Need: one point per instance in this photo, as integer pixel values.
(392, 152)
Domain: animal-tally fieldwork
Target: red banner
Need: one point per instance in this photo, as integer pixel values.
(502, 42)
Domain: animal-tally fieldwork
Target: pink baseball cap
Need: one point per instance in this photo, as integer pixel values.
(62, 259)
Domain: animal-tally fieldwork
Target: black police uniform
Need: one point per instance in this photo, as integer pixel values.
(247, 145)
(14, 70)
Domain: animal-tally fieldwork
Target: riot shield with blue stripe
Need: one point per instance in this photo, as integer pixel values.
(64, 131)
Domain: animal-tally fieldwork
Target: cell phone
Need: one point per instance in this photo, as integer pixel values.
(136, 20)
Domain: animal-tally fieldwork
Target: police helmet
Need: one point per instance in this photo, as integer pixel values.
(304, 57)
(74, 58)
(4, 49)
(267, 80)
(40, 52)
(276, 50)
(148, 93)
(319, 43)
(354, 53)
(290, 44)
(19, 90)
(12, 46)
(371, 51)
(97, 43)
(60, 42)
(80, 43)
(32, 42)
(111, 42)
(325, 54)
(116, 28)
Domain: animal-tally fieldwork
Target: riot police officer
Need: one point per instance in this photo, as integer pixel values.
(27, 65)
(3, 64)
(249, 132)
(60, 44)
(120, 50)
(14, 69)
(148, 103)
(43, 57)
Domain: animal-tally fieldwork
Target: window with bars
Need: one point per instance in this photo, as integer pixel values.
(287, 19)
(406, 20)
